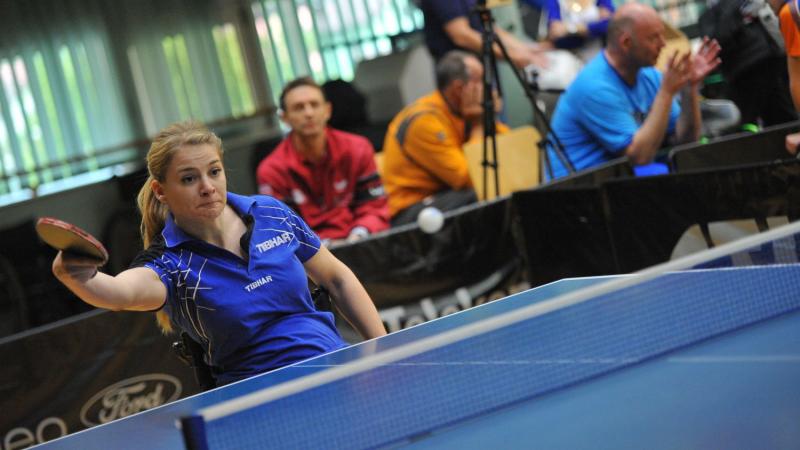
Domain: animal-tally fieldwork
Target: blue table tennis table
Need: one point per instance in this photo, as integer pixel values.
(667, 363)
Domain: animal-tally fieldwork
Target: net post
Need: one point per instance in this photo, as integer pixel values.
(193, 429)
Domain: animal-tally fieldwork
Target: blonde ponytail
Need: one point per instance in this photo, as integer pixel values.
(154, 213)
(154, 216)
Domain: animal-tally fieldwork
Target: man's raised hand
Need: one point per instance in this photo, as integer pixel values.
(704, 60)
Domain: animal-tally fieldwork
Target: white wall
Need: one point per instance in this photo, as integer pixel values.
(393, 81)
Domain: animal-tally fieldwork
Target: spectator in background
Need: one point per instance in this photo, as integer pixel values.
(424, 162)
(328, 176)
(578, 25)
(621, 105)
(789, 16)
(453, 24)
(753, 60)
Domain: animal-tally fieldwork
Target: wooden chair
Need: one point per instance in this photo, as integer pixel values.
(676, 41)
(517, 160)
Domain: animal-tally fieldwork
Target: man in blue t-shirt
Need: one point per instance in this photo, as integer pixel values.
(620, 105)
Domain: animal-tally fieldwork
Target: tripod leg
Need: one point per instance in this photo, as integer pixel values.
(488, 40)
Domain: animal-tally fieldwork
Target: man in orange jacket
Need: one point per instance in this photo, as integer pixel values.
(423, 159)
(789, 15)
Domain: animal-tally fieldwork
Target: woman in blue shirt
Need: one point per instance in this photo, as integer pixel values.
(229, 270)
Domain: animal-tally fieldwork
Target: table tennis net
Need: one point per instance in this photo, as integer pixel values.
(782, 250)
(514, 351)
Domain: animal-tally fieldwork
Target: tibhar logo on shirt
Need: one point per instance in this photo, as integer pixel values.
(258, 283)
(281, 239)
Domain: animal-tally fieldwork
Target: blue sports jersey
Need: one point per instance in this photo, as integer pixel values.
(250, 316)
(597, 116)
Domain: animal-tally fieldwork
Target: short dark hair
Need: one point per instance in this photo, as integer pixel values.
(296, 83)
(452, 67)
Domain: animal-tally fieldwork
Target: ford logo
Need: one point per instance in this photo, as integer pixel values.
(130, 396)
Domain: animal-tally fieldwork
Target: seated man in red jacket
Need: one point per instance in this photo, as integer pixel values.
(328, 176)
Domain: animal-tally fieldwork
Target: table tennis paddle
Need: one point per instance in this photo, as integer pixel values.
(67, 237)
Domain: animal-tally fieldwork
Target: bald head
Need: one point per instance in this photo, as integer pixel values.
(636, 32)
(628, 18)
(636, 11)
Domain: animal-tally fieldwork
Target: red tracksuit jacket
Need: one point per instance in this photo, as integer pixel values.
(333, 196)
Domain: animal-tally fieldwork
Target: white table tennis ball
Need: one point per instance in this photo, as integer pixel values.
(430, 219)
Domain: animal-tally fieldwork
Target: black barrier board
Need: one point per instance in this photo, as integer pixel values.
(734, 150)
(84, 371)
(406, 264)
(647, 216)
(631, 223)
(611, 170)
(565, 233)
